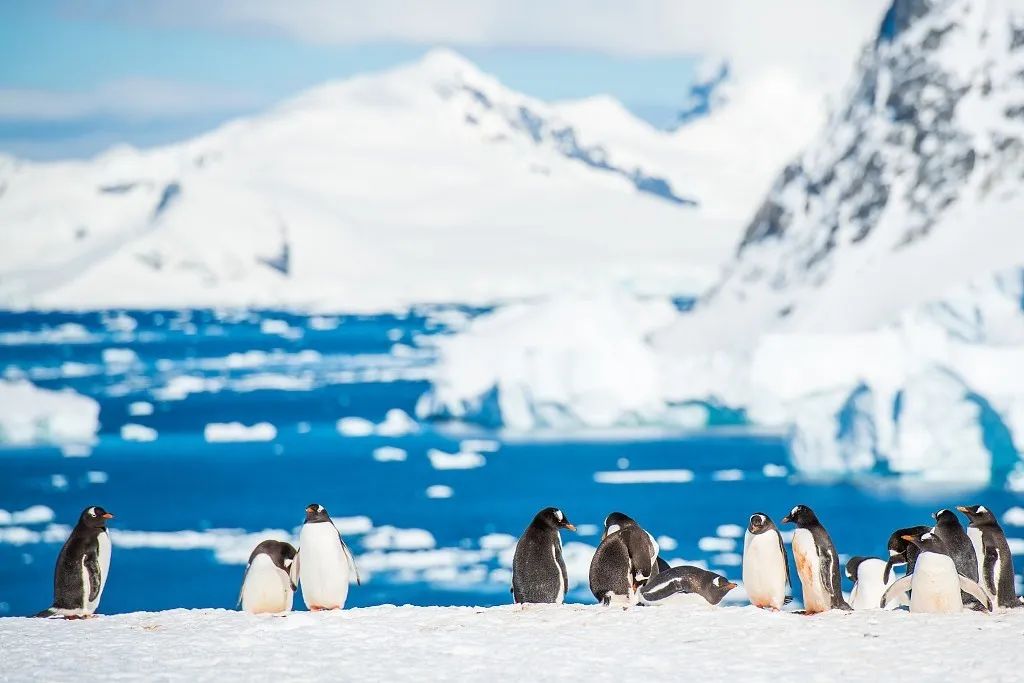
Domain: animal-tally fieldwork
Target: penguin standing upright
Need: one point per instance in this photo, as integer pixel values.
(901, 551)
(324, 562)
(765, 563)
(82, 567)
(817, 563)
(869, 583)
(538, 570)
(685, 585)
(935, 586)
(624, 561)
(995, 562)
(270, 579)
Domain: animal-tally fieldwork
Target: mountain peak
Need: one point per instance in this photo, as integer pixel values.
(445, 62)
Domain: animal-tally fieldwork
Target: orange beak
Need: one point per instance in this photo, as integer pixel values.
(907, 538)
(108, 516)
(570, 527)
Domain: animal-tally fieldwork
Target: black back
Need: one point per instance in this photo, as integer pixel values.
(686, 579)
(997, 552)
(277, 551)
(538, 568)
(958, 545)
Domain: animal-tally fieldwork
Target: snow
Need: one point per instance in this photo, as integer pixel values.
(508, 643)
(31, 416)
(137, 432)
(217, 432)
(463, 460)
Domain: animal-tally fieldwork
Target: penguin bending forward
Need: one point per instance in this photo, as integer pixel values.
(538, 570)
(869, 584)
(685, 585)
(935, 586)
(765, 564)
(270, 580)
(324, 562)
(995, 562)
(817, 563)
(82, 567)
(624, 561)
(902, 552)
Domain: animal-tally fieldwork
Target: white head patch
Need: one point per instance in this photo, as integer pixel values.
(793, 511)
(760, 519)
(892, 552)
(287, 562)
(559, 516)
(319, 508)
(981, 509)
(717, 581)
(612, 529)
(927, 536)
(92, 512)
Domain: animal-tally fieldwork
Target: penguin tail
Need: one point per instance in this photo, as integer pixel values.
(48, 612)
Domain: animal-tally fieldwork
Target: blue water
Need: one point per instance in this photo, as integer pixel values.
(363, 366)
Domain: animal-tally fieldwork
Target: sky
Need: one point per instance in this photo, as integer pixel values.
(77, 77)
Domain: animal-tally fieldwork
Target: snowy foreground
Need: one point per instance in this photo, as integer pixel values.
(573, 642)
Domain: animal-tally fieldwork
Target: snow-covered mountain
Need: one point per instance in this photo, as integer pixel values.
(875, 306)
(916, 184)
(430, 182)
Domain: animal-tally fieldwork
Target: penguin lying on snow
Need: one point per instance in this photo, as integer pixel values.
(82, 567)
(270, 579)
(995, 562)
(624, 561)
(935, 586)
(902, 552)
(685, 585)
(765, 564)
(538, 570)
(324, 562)
(869, 584)
(817, 562)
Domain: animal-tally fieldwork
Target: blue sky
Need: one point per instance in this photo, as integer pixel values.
(76, 78)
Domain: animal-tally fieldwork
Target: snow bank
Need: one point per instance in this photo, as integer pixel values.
(216, 432)
(30, 415)
(512, 644)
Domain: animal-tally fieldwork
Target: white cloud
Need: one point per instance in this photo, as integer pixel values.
(131, 99)
(812, 37)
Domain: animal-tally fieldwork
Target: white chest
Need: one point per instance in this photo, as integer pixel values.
(764, 569)
(808, 567)
(103, 560)
(935, 586)
(267, 588)
(979, 550)
(323, 566)
(867, 592)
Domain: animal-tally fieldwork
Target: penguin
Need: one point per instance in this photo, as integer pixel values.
(270, 579)
(935, 586)
(817, 563)
(902, 552)
(869, 584)
(959, 545)
(765, 564)
(685, 585)
(995, 562)
(82, 567)
(538, 570)
(324, 562)
(624, 561)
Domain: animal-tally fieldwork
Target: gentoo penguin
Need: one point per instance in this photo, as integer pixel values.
(685, 585)
(270, 579)
(995, 562)
(869, 584)
(82, 567)
(765, 563)
(626, 558)
(324, 562)
(902, 552)
(935, 586)
(817, 563)
(538, 570)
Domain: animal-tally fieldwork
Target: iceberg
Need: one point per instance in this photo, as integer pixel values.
(31, 416)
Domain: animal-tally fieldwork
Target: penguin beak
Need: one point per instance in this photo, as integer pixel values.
(962, 508)
(108, 516)
(787, 520)
(730, 585)
(570, 527)
(908, 537)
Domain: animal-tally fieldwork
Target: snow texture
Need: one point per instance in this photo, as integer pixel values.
(556, 642)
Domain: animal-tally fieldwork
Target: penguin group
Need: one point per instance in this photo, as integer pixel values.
(947, 568)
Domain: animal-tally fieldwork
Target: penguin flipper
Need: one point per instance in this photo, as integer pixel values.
(977, 592)
(900, 587)
(351, 561)
(293, 573)
(988, 575)
(92, 566)
(785, 561)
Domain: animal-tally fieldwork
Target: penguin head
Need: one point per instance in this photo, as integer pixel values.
(316, 513)
(978, 515)
(553, 518)
(759, 523)
(944, 516)
(95, 517)
(926, 542)
(718, 588)
(616, 521)
(282, 554)
(853, 565)
(802, 516)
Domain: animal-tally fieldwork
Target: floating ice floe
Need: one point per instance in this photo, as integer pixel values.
(644, 477)
(137, 432)
(730, 531)
(463, 460)
(36, 514)
(712, 543)
(397, 423)
(140, 409)
(119, 356)
(439, 491)
(236, 431)
(389, 454)
(30, 415)
(392, 538)
(355, 426)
